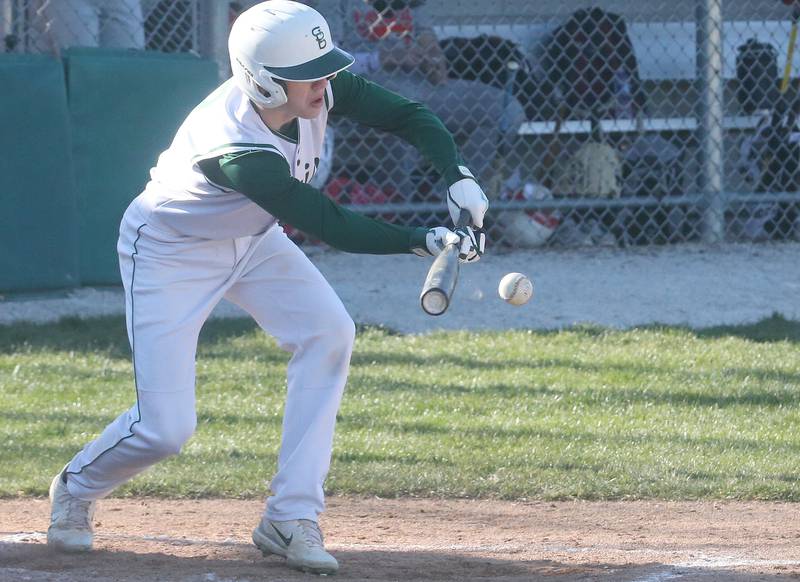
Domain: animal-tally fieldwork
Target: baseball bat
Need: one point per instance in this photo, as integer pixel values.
(437, 291)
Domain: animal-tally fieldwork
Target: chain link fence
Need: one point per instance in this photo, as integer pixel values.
(46, 26)
(642, 122)
(614, 122)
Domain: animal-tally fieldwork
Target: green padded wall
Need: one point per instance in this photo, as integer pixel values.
(125, 107)
(37, 197)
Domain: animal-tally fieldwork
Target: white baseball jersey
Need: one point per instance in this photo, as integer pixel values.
(179, 199)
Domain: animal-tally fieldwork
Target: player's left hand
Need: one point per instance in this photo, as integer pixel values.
(472, 244)
(467, 194)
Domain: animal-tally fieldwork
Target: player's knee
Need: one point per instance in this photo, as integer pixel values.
(343, 330)
(335, 339)
(168, 438)
(171, 443)
(334, 327)
(349, 330)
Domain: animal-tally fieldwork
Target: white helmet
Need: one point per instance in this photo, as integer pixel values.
(281, 40)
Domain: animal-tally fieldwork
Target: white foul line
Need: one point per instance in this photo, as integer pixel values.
(680, 570)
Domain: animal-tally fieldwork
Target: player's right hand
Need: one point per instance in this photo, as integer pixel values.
(473, 244)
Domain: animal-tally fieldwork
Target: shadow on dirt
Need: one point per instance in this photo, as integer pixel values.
(229, 561)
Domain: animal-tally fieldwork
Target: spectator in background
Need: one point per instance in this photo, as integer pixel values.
(395, 46)
(105, 23)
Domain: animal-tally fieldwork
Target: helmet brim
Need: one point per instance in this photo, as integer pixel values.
(328, 64)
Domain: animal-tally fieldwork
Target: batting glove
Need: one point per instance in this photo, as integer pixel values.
(435, 240)
(472, 245)
(465, 193)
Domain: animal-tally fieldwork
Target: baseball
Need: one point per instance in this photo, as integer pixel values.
(516, 289)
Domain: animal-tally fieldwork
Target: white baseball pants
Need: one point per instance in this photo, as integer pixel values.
(171, 286)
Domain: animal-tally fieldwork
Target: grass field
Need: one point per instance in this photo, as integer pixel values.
(583, 413)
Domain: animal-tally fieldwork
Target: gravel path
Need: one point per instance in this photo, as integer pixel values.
(697, 286)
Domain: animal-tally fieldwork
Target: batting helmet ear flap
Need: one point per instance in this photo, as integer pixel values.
(273, 90)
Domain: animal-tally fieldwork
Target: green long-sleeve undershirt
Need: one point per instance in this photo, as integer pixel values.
(265, 177)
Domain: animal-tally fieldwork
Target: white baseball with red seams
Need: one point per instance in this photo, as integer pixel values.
(515, 288)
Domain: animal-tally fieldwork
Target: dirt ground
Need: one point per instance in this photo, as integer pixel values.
(420, 539)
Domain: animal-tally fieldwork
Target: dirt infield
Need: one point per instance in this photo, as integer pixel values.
(421, 539)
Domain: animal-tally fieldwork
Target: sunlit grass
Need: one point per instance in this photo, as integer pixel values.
(584, 413)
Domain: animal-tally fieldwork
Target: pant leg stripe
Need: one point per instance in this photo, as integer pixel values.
(133, 357)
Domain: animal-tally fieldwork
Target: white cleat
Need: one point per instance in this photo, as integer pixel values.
(71, 528)
(299, 541)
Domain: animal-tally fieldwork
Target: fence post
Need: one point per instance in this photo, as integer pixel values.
(711, 112)
(214, 44)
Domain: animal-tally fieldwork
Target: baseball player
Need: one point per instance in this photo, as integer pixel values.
(207, 227)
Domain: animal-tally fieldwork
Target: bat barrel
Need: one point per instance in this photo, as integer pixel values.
(442, 276)
(441, 282)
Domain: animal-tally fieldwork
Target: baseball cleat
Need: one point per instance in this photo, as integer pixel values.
(71, 528)
(299, 541)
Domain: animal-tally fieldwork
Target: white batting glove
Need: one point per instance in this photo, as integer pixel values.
(466, 193)
(470, 243)
(435, 240)
(473, 244)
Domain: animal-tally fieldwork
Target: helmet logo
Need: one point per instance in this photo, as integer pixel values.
(318, 34)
